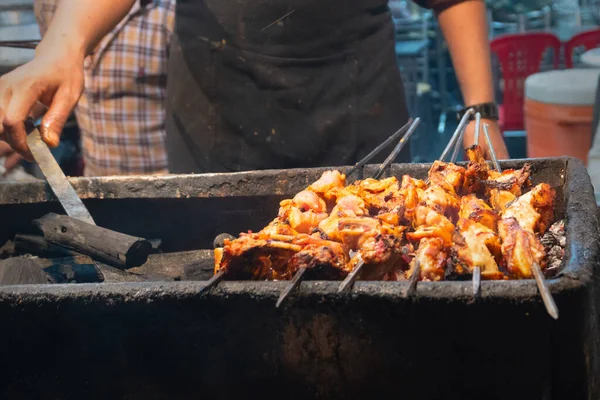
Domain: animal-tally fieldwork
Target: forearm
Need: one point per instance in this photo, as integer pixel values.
(465, 29)
(81, 24)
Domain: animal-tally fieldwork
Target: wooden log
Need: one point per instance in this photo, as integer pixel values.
(109, 247)
(37, 245)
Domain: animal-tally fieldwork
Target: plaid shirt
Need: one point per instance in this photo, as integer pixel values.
(121, 114)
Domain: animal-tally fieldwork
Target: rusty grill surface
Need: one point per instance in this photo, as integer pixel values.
(163, 340)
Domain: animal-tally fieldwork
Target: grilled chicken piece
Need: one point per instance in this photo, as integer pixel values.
(383, 198)
(477, 210)
(431, 224)
(347, 207)
(259, 257)
(477, 170)
(520, 248)
(411, 191)
(441, 201)
(534, 210)
(522, 219)
(433, 258)
(511, 180)
(328, 185)
(478, 246)
(304, 212)
(384, 257)
(324, 260)
(500, 199)
(445, 174)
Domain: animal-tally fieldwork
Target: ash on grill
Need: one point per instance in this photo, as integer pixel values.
(554, 241)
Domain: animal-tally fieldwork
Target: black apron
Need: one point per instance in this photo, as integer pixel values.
(263, 84)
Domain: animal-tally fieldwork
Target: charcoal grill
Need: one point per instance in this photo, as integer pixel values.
(163, 340)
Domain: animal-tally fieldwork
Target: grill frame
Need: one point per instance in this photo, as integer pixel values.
(316, 346)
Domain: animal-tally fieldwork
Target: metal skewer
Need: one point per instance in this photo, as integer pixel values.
(294, 284)
(477, 282)
(549, 302)
(351, 278)
(215, 280)
(464, 121)
(414, 278)
(492, 151)
(547, 298)
(388, 161)
(477, 128)
(379, 148)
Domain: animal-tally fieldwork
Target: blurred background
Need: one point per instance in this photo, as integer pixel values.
(430, 82)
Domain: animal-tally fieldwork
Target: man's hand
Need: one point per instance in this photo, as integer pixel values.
(12, 158)
(495, 136)
(54, 78)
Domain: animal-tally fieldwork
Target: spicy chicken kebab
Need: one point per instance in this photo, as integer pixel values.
(458, 220)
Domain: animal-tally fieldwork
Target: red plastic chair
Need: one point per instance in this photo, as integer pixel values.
(588, 40)
(520, 55)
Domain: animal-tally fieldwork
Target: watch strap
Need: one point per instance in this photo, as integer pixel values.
(486, 110)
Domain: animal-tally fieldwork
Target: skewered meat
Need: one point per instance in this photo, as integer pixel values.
(447, 176)
(430, 224)
(478, 246)
(385, 225)
(433, 258)
(522, 219)
(475, 209)
(520, 248)
(534, 210)
(511, 180)
(260, 257)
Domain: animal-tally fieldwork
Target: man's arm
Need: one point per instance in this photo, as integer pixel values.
(55, 75)
(464, 26)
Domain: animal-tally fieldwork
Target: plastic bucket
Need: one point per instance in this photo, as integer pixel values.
(555, 130)
(559, 112)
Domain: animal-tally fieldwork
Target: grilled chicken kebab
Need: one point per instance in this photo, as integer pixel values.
(460, 219)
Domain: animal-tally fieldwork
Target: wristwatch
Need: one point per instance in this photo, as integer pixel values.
(487, 111)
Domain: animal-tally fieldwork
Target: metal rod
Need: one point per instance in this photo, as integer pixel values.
(491, 147)
(414, 278)
(477, 282)
(214, 281)
(379, 148)
(477, 128)
(291, 287)
(458, 145)
(545, 291)
(464, 121)
(388, 161)
(351, 278)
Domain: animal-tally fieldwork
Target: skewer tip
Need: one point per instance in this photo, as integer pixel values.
(214, 281)
(547, 297)
(291, 287)
(477, 282)
(414, 278)
(352, 277)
